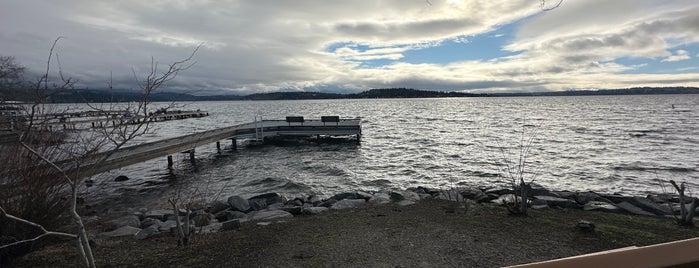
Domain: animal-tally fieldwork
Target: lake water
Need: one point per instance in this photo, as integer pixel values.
(600, 143)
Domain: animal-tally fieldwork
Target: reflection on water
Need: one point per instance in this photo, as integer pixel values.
(599, 143)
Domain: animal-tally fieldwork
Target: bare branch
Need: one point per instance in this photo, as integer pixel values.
(544, 8)
(38, 226)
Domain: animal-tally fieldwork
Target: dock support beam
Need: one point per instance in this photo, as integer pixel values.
(169, 161)
(191, 155)
(234, 144)
(218, 146)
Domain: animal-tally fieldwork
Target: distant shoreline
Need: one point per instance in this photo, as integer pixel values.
(102, 95)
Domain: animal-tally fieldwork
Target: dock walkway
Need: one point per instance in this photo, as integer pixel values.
(256, 130)
(113, 120)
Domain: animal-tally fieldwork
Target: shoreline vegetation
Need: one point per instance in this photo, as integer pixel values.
(418, 227)
(104, 95)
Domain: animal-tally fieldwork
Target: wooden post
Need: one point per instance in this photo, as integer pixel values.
(234, 144)
(218, 146)
(169, 161)
(191, 155)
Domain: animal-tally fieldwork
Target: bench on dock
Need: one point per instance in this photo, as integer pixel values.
(332, 118)
(294, 119)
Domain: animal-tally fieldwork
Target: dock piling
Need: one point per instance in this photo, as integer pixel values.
(191, 155)
(169, 161)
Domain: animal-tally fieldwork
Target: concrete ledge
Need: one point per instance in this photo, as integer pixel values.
(683, 252)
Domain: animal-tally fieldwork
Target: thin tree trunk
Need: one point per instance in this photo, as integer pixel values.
(85, 249)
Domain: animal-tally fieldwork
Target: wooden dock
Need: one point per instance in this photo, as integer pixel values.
(259, 130)
(113, 120)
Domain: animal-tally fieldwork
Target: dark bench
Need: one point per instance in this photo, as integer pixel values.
(294, 119)
(332, 118)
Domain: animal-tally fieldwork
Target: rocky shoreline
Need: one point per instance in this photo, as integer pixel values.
(229, 214)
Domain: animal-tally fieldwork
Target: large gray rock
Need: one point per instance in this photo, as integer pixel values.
(314, 199)
(268, 215)
(404, 195)
(379, 199)
(601, 206)
(668, 198)
(211, 228)
(159, 214)
(122, 232)
(295, 203)
(499, 191)
(506, 198)
(168, 226)
(314, 210)
(341, 196)
(615, 198)
(275, 206)
(426, 190)
(327, 203)
(565, 194)
(230, 225)
(130, 220)
(474, 194)
(257, 204)
(238, 203)
(650, 206)
(227, 215)
(587, 197)
(534, 189)
(557, 202)
(149, 222)
(348, 204)
(586, 226)
(630, 208)
(269, 198)
(453, 195)
(148, 232)
(363, 195)
(294, 210)
(677, 209)
(218, 205)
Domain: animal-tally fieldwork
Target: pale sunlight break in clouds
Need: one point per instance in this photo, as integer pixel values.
(349, 46)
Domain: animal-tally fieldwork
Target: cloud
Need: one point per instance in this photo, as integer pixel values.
(679, 55)
(262, 46)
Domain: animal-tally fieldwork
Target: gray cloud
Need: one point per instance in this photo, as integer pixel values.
(262, 46)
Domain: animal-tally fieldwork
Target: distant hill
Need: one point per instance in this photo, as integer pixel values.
(406, 93)
(95, 96)
(292, 96)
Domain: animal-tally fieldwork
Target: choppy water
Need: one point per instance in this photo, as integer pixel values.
(600, 143)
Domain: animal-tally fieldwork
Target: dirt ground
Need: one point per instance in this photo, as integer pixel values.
(420, 235)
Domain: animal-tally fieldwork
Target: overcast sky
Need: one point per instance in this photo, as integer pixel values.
(349, 46)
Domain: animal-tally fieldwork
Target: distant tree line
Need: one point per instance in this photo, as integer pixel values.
(101, 96)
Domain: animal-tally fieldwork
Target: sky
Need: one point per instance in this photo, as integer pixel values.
(351, 46)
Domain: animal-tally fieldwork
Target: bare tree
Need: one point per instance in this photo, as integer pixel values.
(93, 147)
(518, 172)
(11, 74)
(687, 209)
